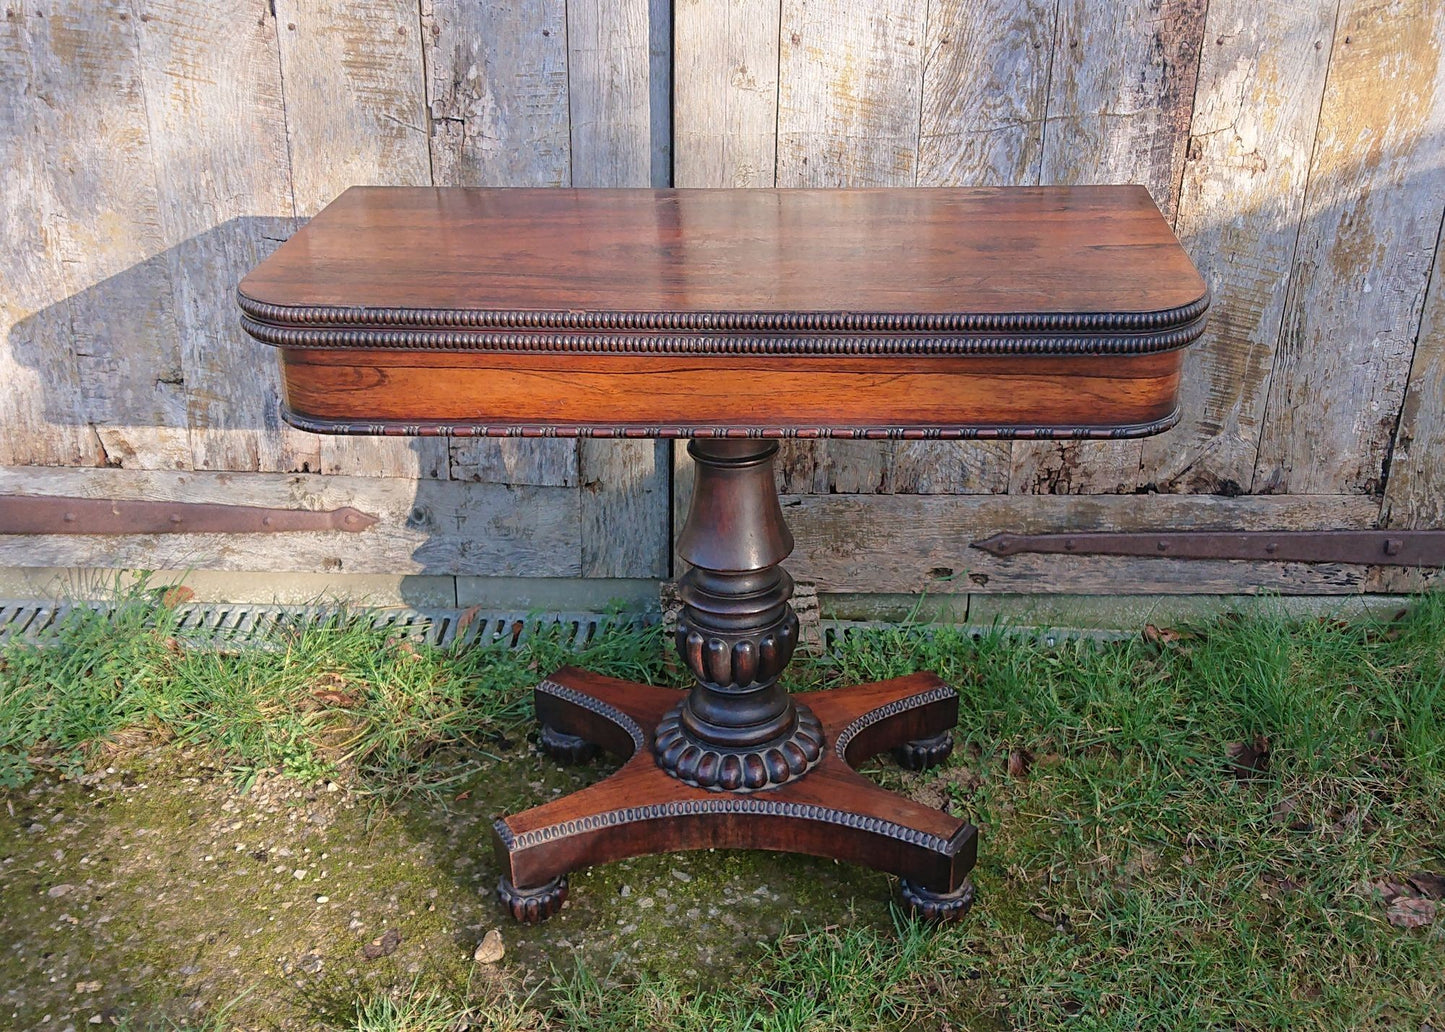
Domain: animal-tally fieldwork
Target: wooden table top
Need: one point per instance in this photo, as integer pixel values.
(913, 312)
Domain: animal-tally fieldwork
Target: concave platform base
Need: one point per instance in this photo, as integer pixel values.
(832, 811)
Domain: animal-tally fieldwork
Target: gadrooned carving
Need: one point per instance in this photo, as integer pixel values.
(1104, 343)
(698, 763)
(737, 659)
(676, 431)
(610, 713)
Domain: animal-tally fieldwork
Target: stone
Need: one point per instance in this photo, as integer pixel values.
(491, 949)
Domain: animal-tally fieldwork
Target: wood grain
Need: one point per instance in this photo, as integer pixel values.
(915, 544)
(849, 82)
(1107, 127)
(89, 354)
(497, 92)
(1415, 493)
(427, 526)
(356, 113)
(985, 92)
(609, 93)
(493, 258)
(1372, 218)
(995, 394)
(215, 112)
(1261, 78)
(726, 94)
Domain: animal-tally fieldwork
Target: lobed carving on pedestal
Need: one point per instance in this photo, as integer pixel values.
(740, 658)
(767, 765)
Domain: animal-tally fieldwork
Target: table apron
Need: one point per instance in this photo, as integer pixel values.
(376, 386)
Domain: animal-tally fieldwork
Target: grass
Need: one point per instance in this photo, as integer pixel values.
(1175, 834)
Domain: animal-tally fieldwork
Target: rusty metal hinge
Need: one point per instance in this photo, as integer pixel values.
(1372, 547)
(51, 514)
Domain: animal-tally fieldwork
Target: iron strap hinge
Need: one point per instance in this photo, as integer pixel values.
(1370, 547)
(50, 514)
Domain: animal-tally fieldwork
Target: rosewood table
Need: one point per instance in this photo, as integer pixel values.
(733, 318)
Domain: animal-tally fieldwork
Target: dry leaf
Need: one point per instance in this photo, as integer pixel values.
(332, 697)
(1408, 912)
(1431, 886)
(1249, 759)
(383, 945)
(175, 596)
(1161, 635)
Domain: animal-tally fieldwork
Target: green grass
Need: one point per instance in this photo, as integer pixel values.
(1131, 874)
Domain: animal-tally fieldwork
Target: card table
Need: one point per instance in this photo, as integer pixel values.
(734, 318)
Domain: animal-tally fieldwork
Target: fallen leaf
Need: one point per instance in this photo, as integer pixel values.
(332, 697)
(383, 945)
(1249, 759)
(465, 620)
(1161, 635)
(1431, 886)
(178, 595)
(1389, 889)
(1408, 912)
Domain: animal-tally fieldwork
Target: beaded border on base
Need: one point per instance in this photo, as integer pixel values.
(397, 428)
(892, 709)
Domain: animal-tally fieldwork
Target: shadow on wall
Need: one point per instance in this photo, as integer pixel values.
(149, 371)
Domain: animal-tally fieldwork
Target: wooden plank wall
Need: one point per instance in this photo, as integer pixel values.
(157, 149)
(1297, 150)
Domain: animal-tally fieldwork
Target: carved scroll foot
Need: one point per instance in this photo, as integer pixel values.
(530, 906)
(565, 748)
(937, 907)
(923, 753)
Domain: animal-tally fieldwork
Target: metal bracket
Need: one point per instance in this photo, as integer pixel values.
(50, 514)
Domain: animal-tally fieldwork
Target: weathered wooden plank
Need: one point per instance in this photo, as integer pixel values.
(355, 96)
(849, 89)
(213, 98)
(905, 543)
(497, 96)
(1120, 95)
(1121, 92)
(985, 92)
(1372, 217)
(849, 86)
(543, 462)
(608, 68)
(625, 484)
(426, 526)
(352, 74)
(659, 89)
(726, 115)
(624, 499)
(497, 91)
(1415, 490)
(1260, 81)
(89, 358)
